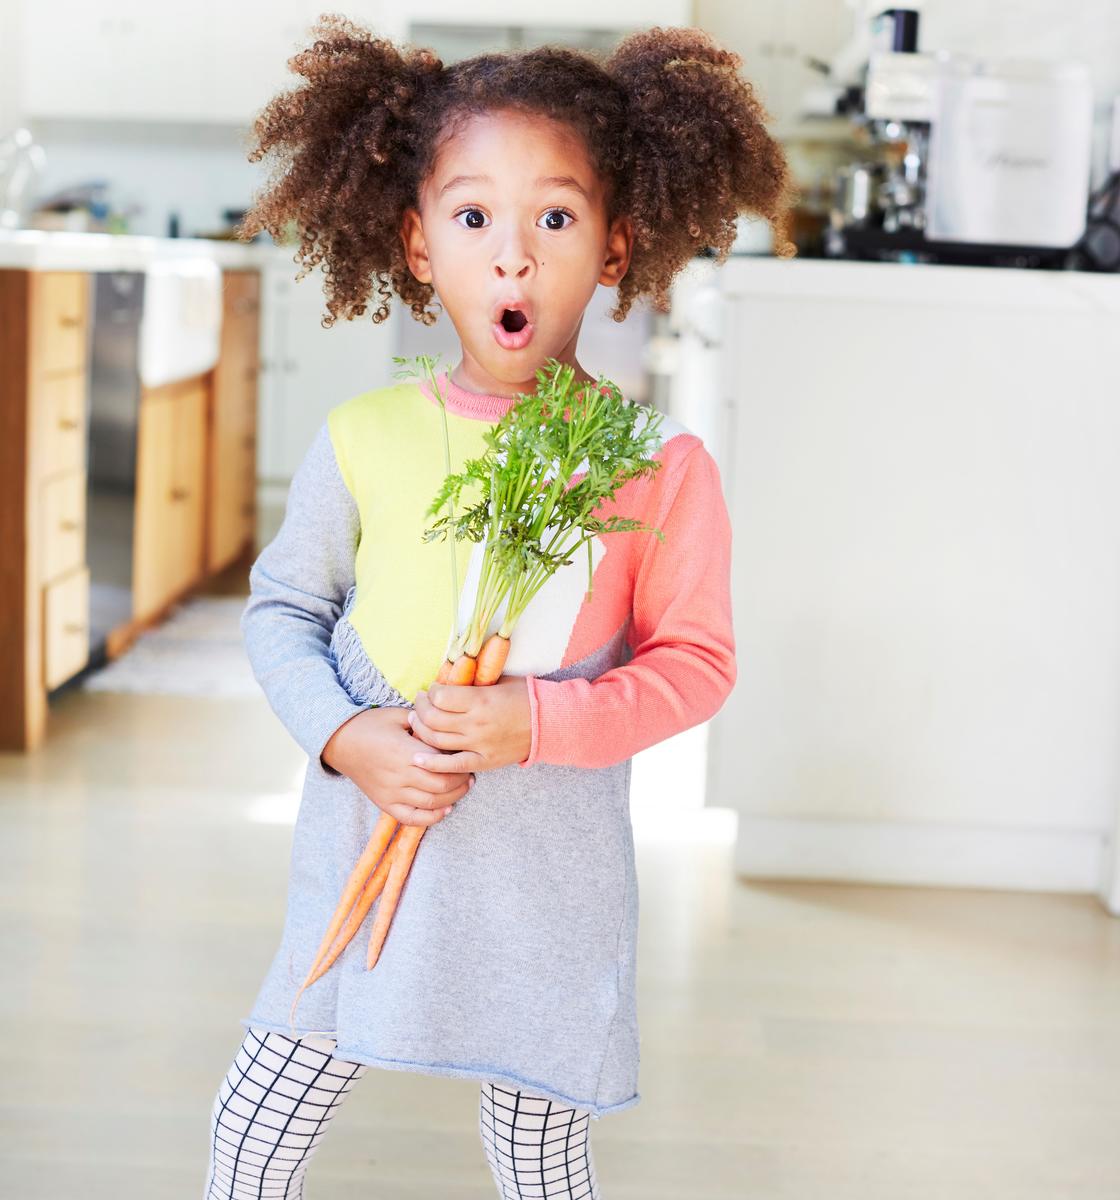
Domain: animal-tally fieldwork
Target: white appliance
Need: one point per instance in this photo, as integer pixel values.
(1009, 152)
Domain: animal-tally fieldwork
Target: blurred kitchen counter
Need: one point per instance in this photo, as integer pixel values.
(922, 465)
(43, 250)
(923, 283)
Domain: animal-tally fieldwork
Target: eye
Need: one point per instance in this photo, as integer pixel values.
(471, 212)
(557, 212)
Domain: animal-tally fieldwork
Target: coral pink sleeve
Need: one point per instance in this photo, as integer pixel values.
(683, 664)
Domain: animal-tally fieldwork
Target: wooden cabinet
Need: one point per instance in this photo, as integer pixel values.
(168, 540)
(195, 500)
(232, 452)
(44, 584)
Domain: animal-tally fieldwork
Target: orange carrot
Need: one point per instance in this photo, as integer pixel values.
(396, 862)
(463, 670)
(364, 903)
(404, 850)
(358, 890)
(491, 659)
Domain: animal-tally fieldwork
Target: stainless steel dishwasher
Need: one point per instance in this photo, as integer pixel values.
(114, 411)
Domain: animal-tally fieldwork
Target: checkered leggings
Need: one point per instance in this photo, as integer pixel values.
(279, 1095)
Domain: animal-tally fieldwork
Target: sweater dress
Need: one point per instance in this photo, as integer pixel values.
(512, 954)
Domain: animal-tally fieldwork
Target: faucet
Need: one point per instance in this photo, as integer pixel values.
(22, 159)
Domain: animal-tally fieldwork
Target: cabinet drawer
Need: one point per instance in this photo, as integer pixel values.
(64, 524)
(62, 403)
(65, 627)
(61, 309)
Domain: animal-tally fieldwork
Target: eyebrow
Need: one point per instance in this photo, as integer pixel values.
(566, 181)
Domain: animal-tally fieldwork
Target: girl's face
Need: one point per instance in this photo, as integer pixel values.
(513, 216)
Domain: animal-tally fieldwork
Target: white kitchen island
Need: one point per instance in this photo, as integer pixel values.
(923, 469)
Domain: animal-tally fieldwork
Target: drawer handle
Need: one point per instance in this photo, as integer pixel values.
(248, 509)
(69, 322)
(68, 423)
(249, 441)
(180, 493)
(251, 373)
(245, 305)
(72, 627)
(69, 524)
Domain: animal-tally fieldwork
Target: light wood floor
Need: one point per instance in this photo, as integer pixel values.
(799, 1042)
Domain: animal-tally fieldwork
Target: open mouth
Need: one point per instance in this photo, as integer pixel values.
(513, 330)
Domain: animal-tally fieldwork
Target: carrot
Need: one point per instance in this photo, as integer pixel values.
(491, 659)
(404, 851)
(463, 670)
(358, 891)
(371, 891)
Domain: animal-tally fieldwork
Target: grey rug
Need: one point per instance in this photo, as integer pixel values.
(196, 651)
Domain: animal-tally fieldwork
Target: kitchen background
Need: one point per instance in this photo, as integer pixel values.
(916, 427)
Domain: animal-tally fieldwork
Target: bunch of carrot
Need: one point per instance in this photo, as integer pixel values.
(527, 515)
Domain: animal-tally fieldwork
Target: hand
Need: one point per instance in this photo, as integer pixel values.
(375, 750)
(479, 728)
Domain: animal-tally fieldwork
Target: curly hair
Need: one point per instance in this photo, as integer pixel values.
(675, 132)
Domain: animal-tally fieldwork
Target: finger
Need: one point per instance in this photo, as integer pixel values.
(436, 718)
(430, 791)
(429, 783)
(442, 739)
(451, 697)
(446, 762)
(409, 815)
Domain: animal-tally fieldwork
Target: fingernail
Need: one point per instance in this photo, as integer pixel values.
(470, 783)
(420, 759)
(446, 811)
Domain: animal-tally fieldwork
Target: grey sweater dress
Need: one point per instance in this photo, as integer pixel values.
(512, 954)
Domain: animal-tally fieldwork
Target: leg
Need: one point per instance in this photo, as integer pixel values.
(271, 1112)
(536, 1147)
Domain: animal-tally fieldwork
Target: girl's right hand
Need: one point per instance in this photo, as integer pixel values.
(375, 749)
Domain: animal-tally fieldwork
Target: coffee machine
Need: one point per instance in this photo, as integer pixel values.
(969, 161)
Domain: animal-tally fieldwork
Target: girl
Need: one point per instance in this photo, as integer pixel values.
(510, 186)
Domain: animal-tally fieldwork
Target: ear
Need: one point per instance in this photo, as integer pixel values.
(415, 246)
(620, 244)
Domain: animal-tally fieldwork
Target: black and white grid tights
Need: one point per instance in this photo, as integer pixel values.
(279, 1095)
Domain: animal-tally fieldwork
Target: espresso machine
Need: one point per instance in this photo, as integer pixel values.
(968, 161)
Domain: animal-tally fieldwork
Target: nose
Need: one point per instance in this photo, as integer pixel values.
(513, 260)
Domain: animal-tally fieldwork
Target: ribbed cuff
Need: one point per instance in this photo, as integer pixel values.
(318, 726)
(534, 722)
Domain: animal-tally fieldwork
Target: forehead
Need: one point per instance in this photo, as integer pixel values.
(511, 147)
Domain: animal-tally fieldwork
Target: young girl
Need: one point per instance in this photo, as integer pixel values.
(510, 186)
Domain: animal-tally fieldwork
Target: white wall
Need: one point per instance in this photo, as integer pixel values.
(11, 20)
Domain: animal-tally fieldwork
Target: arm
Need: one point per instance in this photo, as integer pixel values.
(683, 666)
(298, 586)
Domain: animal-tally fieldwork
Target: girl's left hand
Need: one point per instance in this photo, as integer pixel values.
(493, 721)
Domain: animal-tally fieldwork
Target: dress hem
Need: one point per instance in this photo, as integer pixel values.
(448, 1069)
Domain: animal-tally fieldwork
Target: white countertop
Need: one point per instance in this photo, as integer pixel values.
(43, 250)
(934, 284)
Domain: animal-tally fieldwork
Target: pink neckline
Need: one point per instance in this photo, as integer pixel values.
(468, 404)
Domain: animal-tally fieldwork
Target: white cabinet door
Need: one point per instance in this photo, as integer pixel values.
(118, 59)
(250, 49)
(306, 369)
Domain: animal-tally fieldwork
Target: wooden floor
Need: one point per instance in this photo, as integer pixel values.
(799, 1042)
